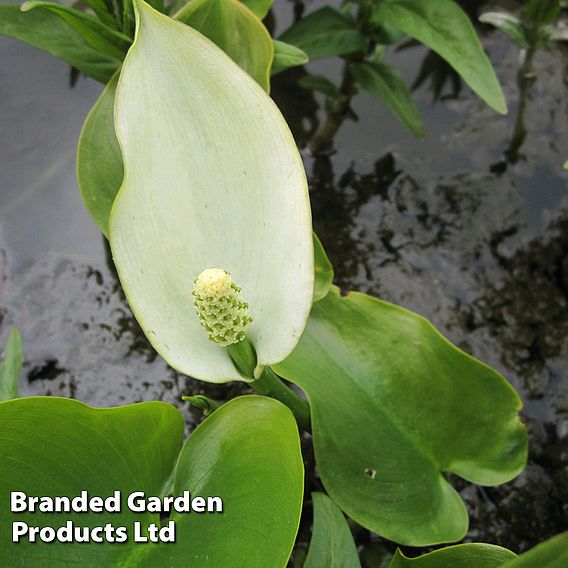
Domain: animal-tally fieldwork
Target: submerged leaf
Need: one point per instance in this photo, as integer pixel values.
(444, 27)
(48, 32)
(213, 179)
(394, 406)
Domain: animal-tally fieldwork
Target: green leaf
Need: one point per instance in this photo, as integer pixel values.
(509, 24)
(286, 56)
(258, 7)
(324, 270)
(54, 446)
(394, 406)
(248, 453)
(11, 366)
(444, 27)
(387, 85)
(48, 32)
(460, 556)
(542, 12)
(332, 544)
(237, 31)
(320, 84)
(99, 36)
(552, 553)
(99, 163)
(213, 177)
(325, 33)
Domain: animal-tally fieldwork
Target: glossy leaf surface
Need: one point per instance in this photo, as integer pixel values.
(247, 452)
(99, 163)
(48, 32)
(444, 27)
(325, 33)
(101, 37)
(552, 553)
(332, 543)
(460, 556)
(213, 178)
(286, 56)
(323, 271)
(394, 405)
(237, 31)
(386, 84)
(258, 7)
(56, 446)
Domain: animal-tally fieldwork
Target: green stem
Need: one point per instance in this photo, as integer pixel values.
(269, 384)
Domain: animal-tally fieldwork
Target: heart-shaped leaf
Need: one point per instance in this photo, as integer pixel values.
(60, 447)
(213, 178)
(394, 406)
(248, 453)
(47, 31)
(237, 31)
(332, 543)
(444, 27)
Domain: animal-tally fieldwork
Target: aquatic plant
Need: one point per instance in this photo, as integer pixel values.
(211, 236)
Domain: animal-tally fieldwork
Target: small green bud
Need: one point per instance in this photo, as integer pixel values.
(220, 307)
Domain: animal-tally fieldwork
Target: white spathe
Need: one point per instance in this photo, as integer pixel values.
(213, 178)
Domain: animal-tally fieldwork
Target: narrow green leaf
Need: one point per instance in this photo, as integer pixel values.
(99, 36)
(99, 163)
(53, 446)
(248, 453)
(320, 84)
(213, 177)
(509, 24)
(286, 56)
(332, 544)
(325, 33)
(258, 7)
(444, 27)
(552, 553)
(460, 556)
(542, 12)
(237, 31)
(324, 270)
(387, 85)
(11, 366)
(394, 406)
(48, 32)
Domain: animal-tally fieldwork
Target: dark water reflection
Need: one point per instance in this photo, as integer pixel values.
(450, 227)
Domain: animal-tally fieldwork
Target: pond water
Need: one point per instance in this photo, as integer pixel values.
(461, 227)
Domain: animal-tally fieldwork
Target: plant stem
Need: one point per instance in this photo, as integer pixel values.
(269, 384)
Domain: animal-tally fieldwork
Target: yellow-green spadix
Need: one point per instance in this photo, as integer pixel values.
(212, 179)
